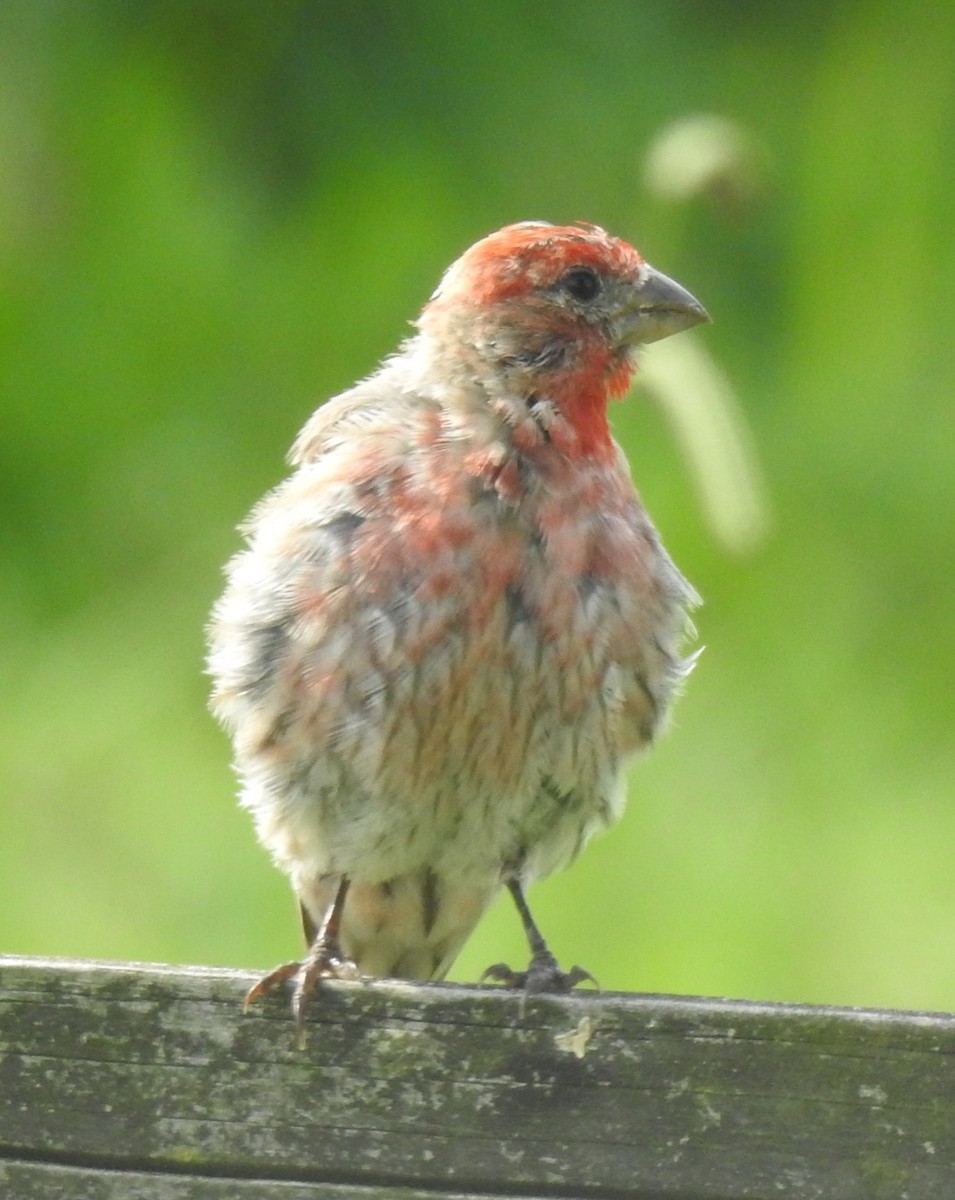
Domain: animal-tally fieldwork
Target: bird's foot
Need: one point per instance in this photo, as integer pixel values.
(269, 982)
(324, 961)
(543, 976)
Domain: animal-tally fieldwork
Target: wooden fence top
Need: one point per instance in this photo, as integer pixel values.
(138, 1081)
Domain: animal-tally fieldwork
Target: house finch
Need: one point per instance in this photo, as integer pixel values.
(454, 622)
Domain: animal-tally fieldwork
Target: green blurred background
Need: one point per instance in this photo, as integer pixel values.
(214, 215)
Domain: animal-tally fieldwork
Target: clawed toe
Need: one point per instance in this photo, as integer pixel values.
(269, 982)
(502, 973)
(542, 977)
(323, 962)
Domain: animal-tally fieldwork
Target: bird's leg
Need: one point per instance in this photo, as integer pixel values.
(543, 973)
(324, 959)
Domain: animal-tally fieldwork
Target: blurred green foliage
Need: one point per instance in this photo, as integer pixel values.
(213, 215)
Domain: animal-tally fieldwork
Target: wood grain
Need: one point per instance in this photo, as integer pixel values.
(133, 1080)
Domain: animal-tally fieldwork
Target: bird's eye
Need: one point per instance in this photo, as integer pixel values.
(581, 283)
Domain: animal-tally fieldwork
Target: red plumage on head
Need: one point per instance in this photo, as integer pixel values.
(502, 284)
(518, 258)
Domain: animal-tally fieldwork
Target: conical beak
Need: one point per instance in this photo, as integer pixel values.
(658, 307)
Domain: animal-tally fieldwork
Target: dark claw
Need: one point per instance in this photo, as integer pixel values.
(502, 973)
(543, 976)
(269, 982)
(323, 962)
(576, 975)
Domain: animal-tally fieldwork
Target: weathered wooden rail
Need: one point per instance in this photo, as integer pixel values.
(134, 1081)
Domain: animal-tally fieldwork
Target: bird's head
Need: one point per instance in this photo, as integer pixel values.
(560, 310)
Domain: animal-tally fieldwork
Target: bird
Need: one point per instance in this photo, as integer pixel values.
(454, 623)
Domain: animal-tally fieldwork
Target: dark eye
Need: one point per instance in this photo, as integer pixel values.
(582, 283)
